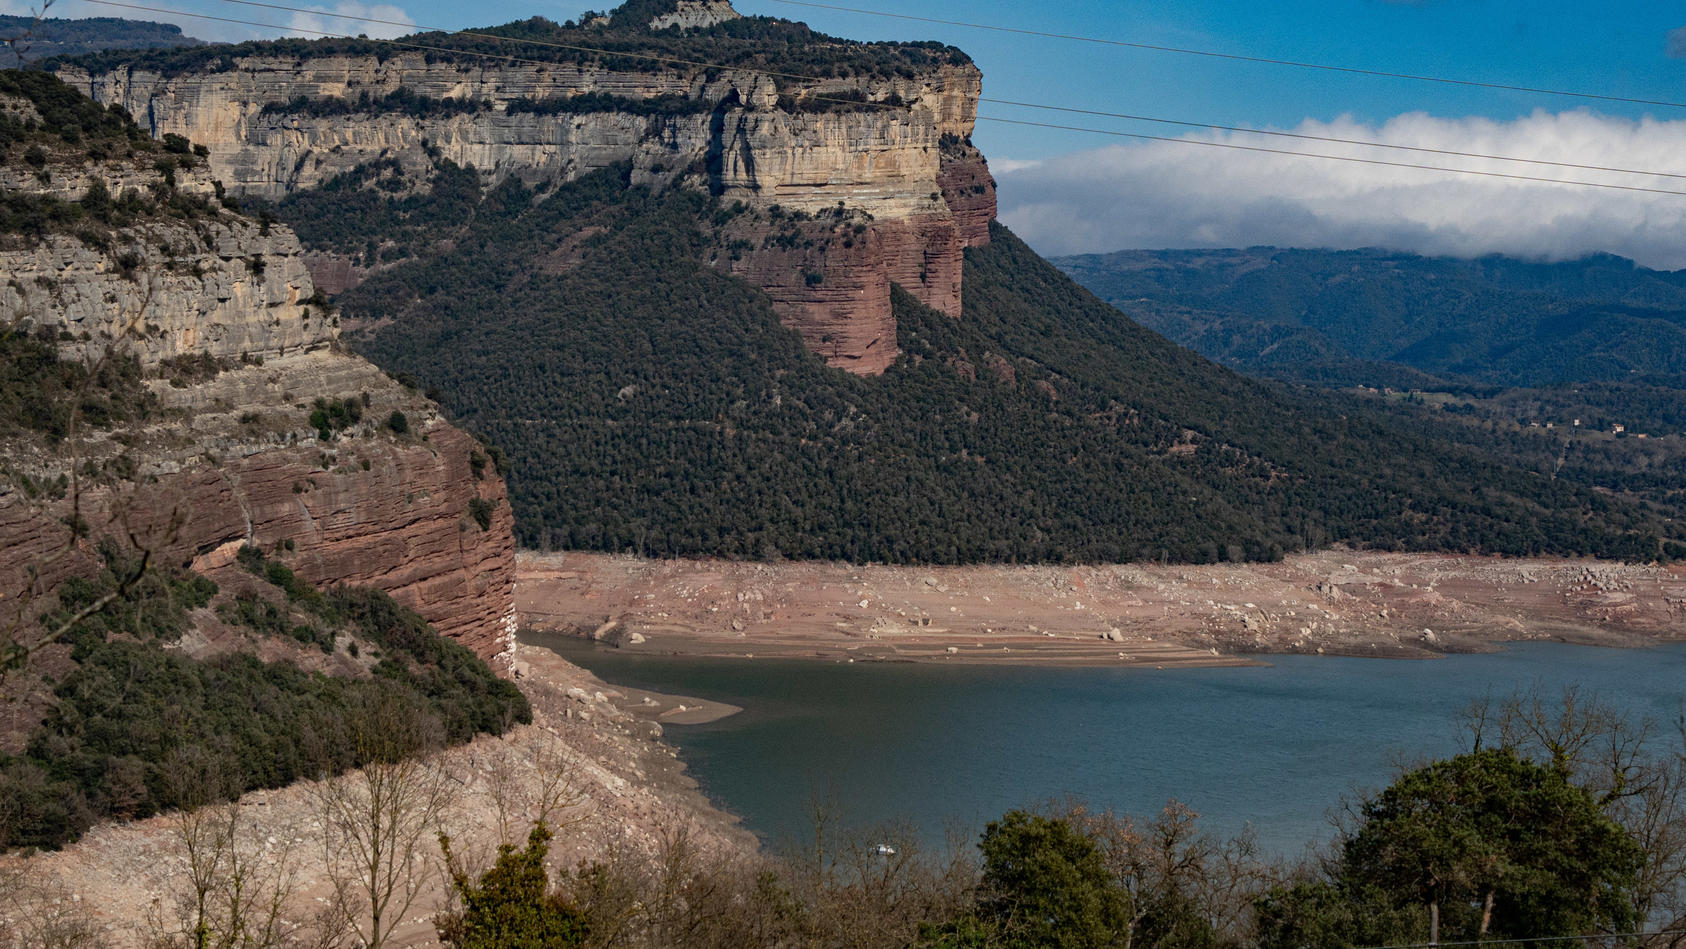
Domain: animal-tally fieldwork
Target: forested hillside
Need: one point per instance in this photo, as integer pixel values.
(624, 44)
(1388, 319)
(647, 402)
(51, 36)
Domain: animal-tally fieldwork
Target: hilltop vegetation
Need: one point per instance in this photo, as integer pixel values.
(51, 36)
(765, 44)
(1390, 319)
(68, 129)
(648, 402)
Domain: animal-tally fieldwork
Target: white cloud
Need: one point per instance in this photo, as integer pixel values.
(1165, 194)
(1003, 166)
(342, 18)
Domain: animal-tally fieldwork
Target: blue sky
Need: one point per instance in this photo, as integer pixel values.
(1070, 191)
(1616, 49)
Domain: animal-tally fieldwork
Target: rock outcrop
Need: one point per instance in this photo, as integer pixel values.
(695, 15)
(221, 317)
(894, 150)
(226, 288)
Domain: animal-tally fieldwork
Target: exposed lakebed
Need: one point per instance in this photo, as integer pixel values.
(1274, 746)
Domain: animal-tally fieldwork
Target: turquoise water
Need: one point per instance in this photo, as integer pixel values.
(1275, 747)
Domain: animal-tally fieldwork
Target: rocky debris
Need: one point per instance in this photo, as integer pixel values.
(1162, 614)
(696, 15)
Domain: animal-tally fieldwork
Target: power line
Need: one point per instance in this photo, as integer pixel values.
(813, 79)
(1361, 161)
(1009, 102)
(1234, 56)
(981, 118)
(1325, 138)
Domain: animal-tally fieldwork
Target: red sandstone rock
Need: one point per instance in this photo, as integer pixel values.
(969, 191)
(402, 526)
(333, 273)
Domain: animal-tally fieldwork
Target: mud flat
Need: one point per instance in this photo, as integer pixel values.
(1337, 602)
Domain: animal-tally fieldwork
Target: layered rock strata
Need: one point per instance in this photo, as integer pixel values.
(232, 456)
(891, 150)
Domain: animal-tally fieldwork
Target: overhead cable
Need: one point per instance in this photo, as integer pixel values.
(1348, 158)
(995, 101)
(981, 118)
(1326, 138)
(1234, 56)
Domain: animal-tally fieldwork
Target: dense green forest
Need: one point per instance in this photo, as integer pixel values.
(51, 36)
(137, 727)
(650, 403)
(1388, 319)
(766, 44)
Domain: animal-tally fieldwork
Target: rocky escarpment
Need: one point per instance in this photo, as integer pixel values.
(891, 148)
(259, 430)
(227, 288)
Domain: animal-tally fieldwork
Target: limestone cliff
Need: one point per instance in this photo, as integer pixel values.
(219, 316)
(891, 146)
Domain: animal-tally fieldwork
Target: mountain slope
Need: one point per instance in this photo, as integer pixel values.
(650, 403)
(1386, 318)
(185, 452)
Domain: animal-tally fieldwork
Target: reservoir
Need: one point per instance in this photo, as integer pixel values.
(1272, 747)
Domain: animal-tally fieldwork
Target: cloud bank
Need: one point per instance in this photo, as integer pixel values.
(1170, 194)
(323, 20)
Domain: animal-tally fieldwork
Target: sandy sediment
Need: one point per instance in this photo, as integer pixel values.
(1338, 602)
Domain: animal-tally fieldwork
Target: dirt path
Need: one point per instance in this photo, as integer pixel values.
(1334, 602)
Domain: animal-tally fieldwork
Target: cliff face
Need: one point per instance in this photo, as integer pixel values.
(227, 288)
(218, 313)
(892, 150)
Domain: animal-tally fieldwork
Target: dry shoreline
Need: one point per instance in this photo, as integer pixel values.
(643, 704)
(1338, 602)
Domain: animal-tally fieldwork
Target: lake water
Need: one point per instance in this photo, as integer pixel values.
(1275, 747)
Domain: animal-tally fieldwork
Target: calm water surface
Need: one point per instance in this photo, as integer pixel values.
(1273, 746)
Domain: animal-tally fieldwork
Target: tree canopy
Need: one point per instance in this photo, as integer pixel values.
(1482, 845)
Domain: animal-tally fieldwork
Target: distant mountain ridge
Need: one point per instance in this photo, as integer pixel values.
(52, 36)
(1380, 317)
